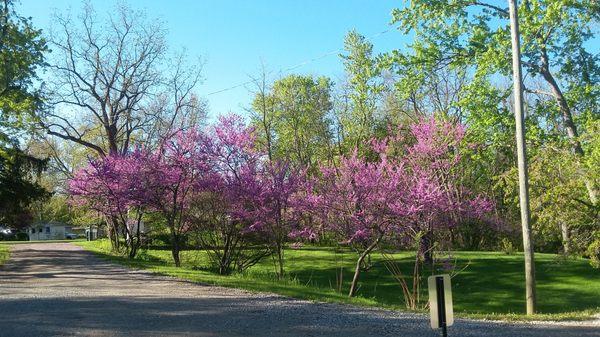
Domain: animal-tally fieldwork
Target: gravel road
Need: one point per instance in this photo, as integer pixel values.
(58, 289)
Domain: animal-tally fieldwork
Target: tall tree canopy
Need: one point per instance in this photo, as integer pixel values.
(21, 54)
(363, 88)
(114, 82)
(293, 119)
(475, 35)
(18, 188)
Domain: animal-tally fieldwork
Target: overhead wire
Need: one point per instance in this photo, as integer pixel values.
(296, 66)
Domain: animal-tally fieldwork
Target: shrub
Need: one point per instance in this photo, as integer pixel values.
(507, 246)
(22, 237)
(160, 240)
(594, 253)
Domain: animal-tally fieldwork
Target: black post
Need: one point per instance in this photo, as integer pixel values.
(441, 304)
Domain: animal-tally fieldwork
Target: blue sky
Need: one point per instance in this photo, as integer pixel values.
(234, 37)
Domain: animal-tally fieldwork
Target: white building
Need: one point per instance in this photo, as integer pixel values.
(93, 232)
(48, 231)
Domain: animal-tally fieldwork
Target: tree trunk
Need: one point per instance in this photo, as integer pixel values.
(564, 230)
(133, 251)
(113, 234)
(111, 137)
(357, 269)
(569, 123)
(280, 259)
(225, 262)
(135, 239)
(175, 249)
(426, 248)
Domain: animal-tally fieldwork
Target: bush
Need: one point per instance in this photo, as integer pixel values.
(160, 240)
(507, 246)
(593, 252)
(22, 237)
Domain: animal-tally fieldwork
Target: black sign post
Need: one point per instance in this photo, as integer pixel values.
(441, 304)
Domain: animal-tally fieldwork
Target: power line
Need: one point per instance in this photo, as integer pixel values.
(298, 65)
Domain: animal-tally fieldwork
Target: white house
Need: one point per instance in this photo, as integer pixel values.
(48, 231)
(93, 232)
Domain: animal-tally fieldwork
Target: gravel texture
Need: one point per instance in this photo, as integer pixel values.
(58, 289)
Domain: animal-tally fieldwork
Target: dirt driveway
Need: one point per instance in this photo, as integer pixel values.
(58, 289)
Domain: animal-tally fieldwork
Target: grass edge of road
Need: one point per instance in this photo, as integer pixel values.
(4, 253)
(311, 293)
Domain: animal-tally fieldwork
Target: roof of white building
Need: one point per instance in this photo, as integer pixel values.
(48, 223)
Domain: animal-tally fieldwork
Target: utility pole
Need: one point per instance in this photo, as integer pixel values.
(522, 158)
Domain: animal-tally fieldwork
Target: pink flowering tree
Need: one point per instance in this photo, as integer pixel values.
(253, 202)
(227, 216)
(277, 207)
(174, 175)
(165, 181)
(434, 159)
(401, 198)
(112, 186)
(359, 202)
(436, 201)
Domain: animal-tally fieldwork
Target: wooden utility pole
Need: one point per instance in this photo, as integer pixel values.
(522, 159)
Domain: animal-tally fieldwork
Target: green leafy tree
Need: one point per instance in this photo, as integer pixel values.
(293, 119)
(362, 92)
(475, 35)
(18, 189)
(562, 218)
(21, 54)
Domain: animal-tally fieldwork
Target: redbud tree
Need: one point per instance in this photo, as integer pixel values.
(112, 187)
(227, 217)
(404, 195)
(277, 206)
(174, 175)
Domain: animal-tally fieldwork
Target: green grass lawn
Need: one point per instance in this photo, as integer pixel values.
(4, 253)
(491, 285)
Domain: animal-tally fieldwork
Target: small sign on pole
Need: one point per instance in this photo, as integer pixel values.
(440, 302)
